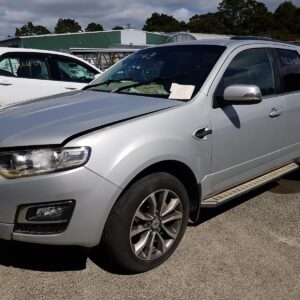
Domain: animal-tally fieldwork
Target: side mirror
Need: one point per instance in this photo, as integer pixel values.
(242, 94)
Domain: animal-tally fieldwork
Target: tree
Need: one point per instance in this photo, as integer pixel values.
(118, 28)
(207, 23)
(29, 29)
(258, 20)
(67, 25)
(163, 22)
(298, 16)
(287, 16)
(94, 27)
(245, 16)
(231, 12)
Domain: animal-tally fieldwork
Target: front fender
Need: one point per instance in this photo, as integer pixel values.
(122, 151)
(133, 160)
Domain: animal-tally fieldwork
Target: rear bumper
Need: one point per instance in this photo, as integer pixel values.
(94, 197)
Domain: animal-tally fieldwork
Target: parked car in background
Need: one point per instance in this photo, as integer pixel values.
(27, 74)
(127, 161)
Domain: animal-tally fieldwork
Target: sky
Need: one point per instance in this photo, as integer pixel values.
(109, 13)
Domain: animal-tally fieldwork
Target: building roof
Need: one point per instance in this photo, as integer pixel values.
(8, 38)
(186, 36)
(95, 39)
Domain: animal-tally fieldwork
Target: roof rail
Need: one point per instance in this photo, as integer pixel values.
(255, 38)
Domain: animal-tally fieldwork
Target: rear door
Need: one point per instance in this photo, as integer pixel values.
(72, 74)
(289, 67)
(246, 138)
(25, 76)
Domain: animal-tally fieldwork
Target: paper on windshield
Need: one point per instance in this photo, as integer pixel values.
(181, 92)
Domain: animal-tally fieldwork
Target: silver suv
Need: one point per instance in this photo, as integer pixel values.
(128, 161)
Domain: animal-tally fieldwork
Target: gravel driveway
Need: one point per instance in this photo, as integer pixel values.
(247, 249)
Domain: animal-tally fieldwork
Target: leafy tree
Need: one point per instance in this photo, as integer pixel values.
(118, 28)
(245, 16)
(29, 29)
(163, 22)
(298, 17)
(287, 16)
(207, 23)
(94, 27)
(67, 25)
(259, 21)
(231, 12)
(39, 30)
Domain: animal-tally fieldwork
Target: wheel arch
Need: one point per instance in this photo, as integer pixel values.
(184, 174)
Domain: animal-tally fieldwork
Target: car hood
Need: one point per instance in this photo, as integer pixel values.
(53, 120)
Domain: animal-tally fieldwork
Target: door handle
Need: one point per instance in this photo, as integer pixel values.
(201, 133)
(5, 83)
(275, 113)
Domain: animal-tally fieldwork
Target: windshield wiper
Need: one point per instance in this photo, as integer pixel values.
(107, 82)
(154, 80)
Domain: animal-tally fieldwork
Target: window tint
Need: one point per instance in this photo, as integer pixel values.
(24, 66)
(290, 69)
(252, 67)
(70, 70)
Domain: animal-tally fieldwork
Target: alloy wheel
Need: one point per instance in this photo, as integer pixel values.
(156, 224)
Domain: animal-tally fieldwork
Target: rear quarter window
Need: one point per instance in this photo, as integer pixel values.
(289, 63)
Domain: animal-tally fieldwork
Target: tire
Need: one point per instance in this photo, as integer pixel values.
(139, 235)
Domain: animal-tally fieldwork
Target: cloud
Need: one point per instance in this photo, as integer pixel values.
(182, 14)
(15, 13)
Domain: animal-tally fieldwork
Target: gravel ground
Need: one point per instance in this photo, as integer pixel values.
(247, 249)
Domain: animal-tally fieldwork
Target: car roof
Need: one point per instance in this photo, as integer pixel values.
(8, 49)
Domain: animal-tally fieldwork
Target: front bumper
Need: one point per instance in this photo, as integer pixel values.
(94, 198)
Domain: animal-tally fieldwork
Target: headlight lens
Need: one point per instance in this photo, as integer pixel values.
(15, 164)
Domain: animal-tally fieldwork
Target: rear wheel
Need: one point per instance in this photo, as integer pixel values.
(147, 223)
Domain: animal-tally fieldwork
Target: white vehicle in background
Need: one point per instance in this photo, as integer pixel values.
(27, 74)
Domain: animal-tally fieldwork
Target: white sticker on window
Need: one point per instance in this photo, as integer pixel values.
(181, 92)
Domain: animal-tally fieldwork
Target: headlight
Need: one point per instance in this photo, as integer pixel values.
(15, 164)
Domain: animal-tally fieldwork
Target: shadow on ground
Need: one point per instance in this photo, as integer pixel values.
(287, 185)
(58, 258)
(41, 257)
(53, 258)
(295, 176)
(209, 213)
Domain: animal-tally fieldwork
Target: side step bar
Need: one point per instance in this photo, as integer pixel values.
(243, 188)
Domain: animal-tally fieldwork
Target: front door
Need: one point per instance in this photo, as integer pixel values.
(72, 74)
(246, 138)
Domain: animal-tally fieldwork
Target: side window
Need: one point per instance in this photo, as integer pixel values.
(71, 70)
(6, 67)
(252, 67)
(289, 61)
(24, 66)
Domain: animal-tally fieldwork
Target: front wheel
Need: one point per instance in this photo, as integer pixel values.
(147, 223)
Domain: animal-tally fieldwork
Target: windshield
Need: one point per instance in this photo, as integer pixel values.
(174, 72)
